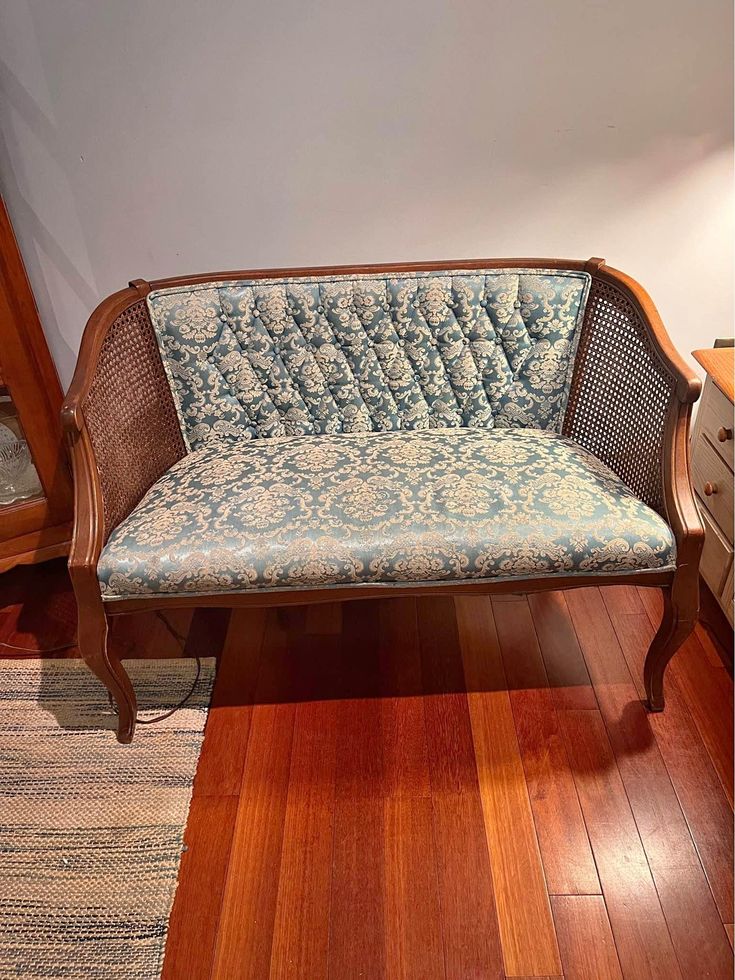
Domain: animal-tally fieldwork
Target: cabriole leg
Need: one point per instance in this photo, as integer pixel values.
(680, 615)
(93, 647)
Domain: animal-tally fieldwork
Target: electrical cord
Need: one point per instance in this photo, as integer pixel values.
(42, 653)
(181, 640)
(176, 707)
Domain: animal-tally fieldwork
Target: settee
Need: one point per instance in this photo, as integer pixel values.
(306, 435)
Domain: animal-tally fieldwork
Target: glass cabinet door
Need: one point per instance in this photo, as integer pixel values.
(35, 480)
(18, 475)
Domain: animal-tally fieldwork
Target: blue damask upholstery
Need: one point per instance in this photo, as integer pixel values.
(425, 506)
(333, 354)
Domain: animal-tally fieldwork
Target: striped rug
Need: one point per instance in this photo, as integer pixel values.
(91, 832)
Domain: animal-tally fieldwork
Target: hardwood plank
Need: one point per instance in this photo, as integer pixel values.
(399, 655)
(710, 643)
(448, 729)
(653, 603)
(249, 905)
(357, 945)
(629, 628)
(562, 836)
(296, 666)
(207, 633)
(192, 928)
(403, 726)
(699, 791)
(714, 629)
(301, 929)
(449, 739)
(585, 939)
(360, 768)
(292, 619)
(382, 756)
(642, 939)
(524, 913)
(685, 898)
(38, 612)
(324, 618)
(441, 656)
(360, 749)
(405, 754)
(522, 665)
(565, 849)
(466, 892)
(225, 745)
(695, 927)
(625, 598)
(565, 667)
(729, 929)
(412, 918)
(708, 692)
(702, 799)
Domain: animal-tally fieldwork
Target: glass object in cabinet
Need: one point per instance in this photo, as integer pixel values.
(18, 477)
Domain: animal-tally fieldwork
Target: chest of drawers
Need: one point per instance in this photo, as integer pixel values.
(712, 472)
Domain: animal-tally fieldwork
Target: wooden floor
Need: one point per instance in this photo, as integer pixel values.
(438, 788)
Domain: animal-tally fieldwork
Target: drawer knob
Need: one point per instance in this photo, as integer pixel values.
(723, 434)
(710, 489)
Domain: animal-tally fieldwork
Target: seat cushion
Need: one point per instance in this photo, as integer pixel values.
(308, 355)
(425, 506)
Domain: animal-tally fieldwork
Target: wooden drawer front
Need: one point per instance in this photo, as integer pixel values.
(709, 467)
(716, 556)
(716, 414)
(726, 599)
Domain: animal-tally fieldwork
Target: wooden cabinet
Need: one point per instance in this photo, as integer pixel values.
(712, 472)
(35, 481)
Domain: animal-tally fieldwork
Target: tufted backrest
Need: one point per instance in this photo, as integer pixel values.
(309, 355)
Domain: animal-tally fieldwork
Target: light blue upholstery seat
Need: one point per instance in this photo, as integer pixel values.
(431, 505)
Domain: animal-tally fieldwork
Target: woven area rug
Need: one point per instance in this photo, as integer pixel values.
(91, 832)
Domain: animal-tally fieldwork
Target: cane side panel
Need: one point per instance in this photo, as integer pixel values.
(130, 414)
(621, 393)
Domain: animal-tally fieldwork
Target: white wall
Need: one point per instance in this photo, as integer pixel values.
(155, 137)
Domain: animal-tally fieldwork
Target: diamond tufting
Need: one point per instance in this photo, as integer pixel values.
(314, 355)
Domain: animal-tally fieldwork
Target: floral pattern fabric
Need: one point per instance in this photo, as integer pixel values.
(320, 355)
(425, 506)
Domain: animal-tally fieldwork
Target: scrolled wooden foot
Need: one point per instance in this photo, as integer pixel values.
(93, 647)
(672, 632)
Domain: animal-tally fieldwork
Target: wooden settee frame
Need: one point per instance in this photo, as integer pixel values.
(123, 434)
